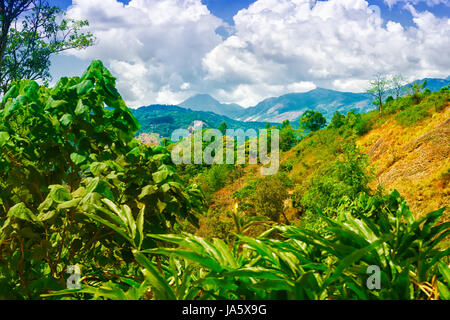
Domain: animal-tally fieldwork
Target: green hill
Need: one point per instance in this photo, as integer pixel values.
(164, 119)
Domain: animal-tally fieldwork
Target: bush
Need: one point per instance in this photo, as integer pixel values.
(269, 197)
(347, 176)
(353, 121)
(413, 115)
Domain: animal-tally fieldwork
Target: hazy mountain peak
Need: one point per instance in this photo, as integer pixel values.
(205, 102)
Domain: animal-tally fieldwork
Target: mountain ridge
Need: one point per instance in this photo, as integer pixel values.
(292, 105)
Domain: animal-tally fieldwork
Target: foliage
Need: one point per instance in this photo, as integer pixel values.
(347, 176)
(223, 128)
(413, 113)
(270, 195)
(369, 231)
(31, 32)
(351, 122)
(312, 120)
(288, 137)
(76, 186)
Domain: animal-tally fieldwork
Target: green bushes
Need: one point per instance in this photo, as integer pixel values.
(269, 197)
(413, 115)
(369, 233)
(353, 122)
(418, 106)
(346, 176)
(77, 188)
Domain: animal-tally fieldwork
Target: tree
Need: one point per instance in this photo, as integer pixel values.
(31, 32)
(377, 89)
(337, 121)
(416, 90)
(312, 120)
(287, 136)
(398, 84)
(67, 164)
(223, 128)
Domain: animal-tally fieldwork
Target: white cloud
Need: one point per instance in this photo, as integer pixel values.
(336, 44)
(430, 3)
(154, 47)
(163, 51)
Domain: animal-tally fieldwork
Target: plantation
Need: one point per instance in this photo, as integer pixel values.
(78, 189)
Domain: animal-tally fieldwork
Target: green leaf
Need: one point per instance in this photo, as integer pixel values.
(81, 108)
(69, 204)
(77, 158)
(66, 119)
(21, 211)
(159, 285)
(84, 87)
(445, 271)
(148, 190)
(160, 175)
(140, 226)
(204, 260)
(4, 137)
(444, 292)
(43, 216)
(59, 194)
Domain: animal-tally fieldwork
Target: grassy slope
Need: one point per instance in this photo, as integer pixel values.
(413, 159)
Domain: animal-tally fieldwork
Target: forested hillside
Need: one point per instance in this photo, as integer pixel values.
(165, 119)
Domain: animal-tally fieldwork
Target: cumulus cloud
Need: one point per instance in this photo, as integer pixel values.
(336, 44)
(163, 51)
(154, 47)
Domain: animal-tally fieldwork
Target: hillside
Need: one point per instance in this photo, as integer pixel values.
(411, 156)
(415, 160)
(164, 119)
(291, 106)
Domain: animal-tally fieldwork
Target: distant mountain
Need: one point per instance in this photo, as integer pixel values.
(204, 102)
(291, 106)
(434, 84)
(164, 119)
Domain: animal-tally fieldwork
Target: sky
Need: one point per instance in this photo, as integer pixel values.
(243, 51)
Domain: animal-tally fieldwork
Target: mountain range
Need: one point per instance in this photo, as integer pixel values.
(291, 106)
(164, 119)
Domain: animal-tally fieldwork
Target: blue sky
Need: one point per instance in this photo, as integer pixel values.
(226, 9)
(163, 51)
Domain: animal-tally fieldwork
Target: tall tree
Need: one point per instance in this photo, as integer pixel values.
(32, 31)
(378, 88)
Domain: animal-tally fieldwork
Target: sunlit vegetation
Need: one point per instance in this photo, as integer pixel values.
(77, 188)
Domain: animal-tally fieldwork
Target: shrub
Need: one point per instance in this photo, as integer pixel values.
(346, 176)
(269, 197)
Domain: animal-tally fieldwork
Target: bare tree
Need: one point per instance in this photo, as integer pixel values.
(378, 88)
(398, 83)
